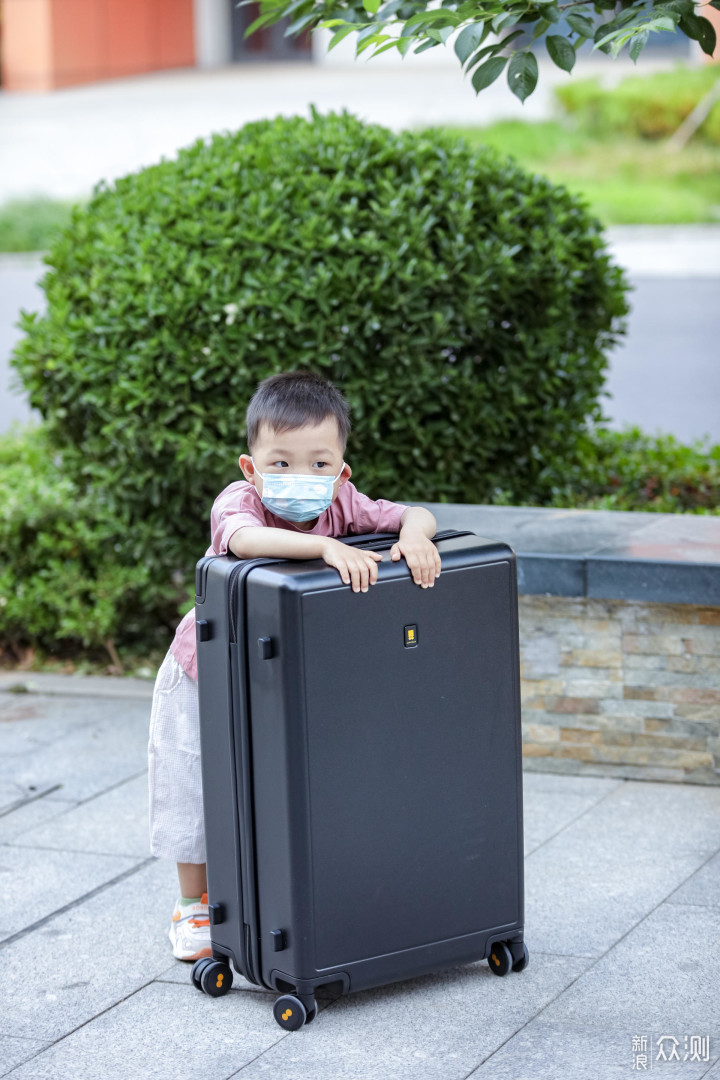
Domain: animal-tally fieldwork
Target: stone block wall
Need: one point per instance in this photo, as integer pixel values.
(621, 688)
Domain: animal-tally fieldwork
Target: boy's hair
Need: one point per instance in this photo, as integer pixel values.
(291, 400)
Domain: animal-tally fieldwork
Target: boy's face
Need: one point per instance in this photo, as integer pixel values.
(311, 450)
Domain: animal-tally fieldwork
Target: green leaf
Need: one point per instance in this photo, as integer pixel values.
(262, 20)
(504, 19)
(339, 35)
(540, 28)
(425, 45)
(522, 74)
(394, 44)
(638, 44)
(580, 24)
(701, 30)
(708, 41)
(371, 6)
(488, 72)
(560, 51)
(489, 50)
(468, 40)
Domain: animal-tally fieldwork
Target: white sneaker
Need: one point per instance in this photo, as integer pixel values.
(190, 930)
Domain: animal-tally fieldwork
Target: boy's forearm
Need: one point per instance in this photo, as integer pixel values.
(260, 542)
(418, 519)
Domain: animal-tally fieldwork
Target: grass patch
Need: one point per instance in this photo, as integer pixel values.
(31, 224)
(625, 180)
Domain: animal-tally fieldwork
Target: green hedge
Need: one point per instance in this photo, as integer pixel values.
(464, 305)
(649, 106)
(70, 570)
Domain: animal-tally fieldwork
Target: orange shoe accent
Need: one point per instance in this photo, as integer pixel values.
(199, 922)
(203, 898)
(176, 915)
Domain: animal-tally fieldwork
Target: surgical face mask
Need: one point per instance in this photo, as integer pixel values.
(295, 497)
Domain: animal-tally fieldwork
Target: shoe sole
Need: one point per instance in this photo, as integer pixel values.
(195, 956)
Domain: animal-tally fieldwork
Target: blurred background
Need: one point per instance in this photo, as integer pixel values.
(91, 91)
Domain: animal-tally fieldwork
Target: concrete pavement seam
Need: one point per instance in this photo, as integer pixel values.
(590, 967)
(582, 814)
(76, 903)
(25, 802)
(84, 1024)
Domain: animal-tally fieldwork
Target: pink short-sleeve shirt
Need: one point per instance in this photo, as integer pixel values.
(239, 505)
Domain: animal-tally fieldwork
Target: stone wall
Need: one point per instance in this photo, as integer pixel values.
(621, 688)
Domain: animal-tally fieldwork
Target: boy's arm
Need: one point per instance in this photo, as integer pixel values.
(418, 518)
(417, 527)
(356, 567)
(257, 542)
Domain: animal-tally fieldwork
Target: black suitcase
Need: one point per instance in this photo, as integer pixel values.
(361, 766)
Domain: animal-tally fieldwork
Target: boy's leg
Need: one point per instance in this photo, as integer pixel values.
(192, 878)
(176, 813)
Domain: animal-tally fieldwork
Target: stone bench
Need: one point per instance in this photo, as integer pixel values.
(619, 638)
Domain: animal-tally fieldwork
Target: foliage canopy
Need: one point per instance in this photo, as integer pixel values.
(492, 36)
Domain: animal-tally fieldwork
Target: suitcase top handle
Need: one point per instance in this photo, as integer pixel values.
(384, 541)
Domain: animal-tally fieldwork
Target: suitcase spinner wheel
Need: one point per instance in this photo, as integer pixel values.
(213, 977)
(291, 1013)
(508, 957)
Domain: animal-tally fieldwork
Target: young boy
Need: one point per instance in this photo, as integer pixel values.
(295, 499)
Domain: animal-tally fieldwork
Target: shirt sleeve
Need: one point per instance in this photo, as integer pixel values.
(232, 510)
(375, 515)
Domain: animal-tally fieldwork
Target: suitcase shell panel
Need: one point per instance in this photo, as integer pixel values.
(379, 826)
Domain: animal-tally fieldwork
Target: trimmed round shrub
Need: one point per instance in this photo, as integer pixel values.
(464, 305)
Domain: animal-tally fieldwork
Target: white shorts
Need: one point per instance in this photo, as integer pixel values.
(177, 828)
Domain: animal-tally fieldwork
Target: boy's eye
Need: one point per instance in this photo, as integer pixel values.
(321, 464)
(279, 464)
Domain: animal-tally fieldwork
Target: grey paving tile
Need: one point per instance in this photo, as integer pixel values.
(435, 1028)
(543, 1051)
(164, 1032)
(15, 1051)
(702, 888)
(35, 883)
(589, 885)
(109, 746)
(33, 812)
(549, 809)
(662, 978)
(87, 959)
(714, 1072)
(30, 720)
(114, 823)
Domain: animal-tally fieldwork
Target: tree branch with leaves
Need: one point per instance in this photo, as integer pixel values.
(487, 31)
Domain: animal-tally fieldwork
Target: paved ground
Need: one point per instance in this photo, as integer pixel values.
(622, 922)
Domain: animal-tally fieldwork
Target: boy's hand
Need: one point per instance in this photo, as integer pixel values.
(421, 555)
(355, 567)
